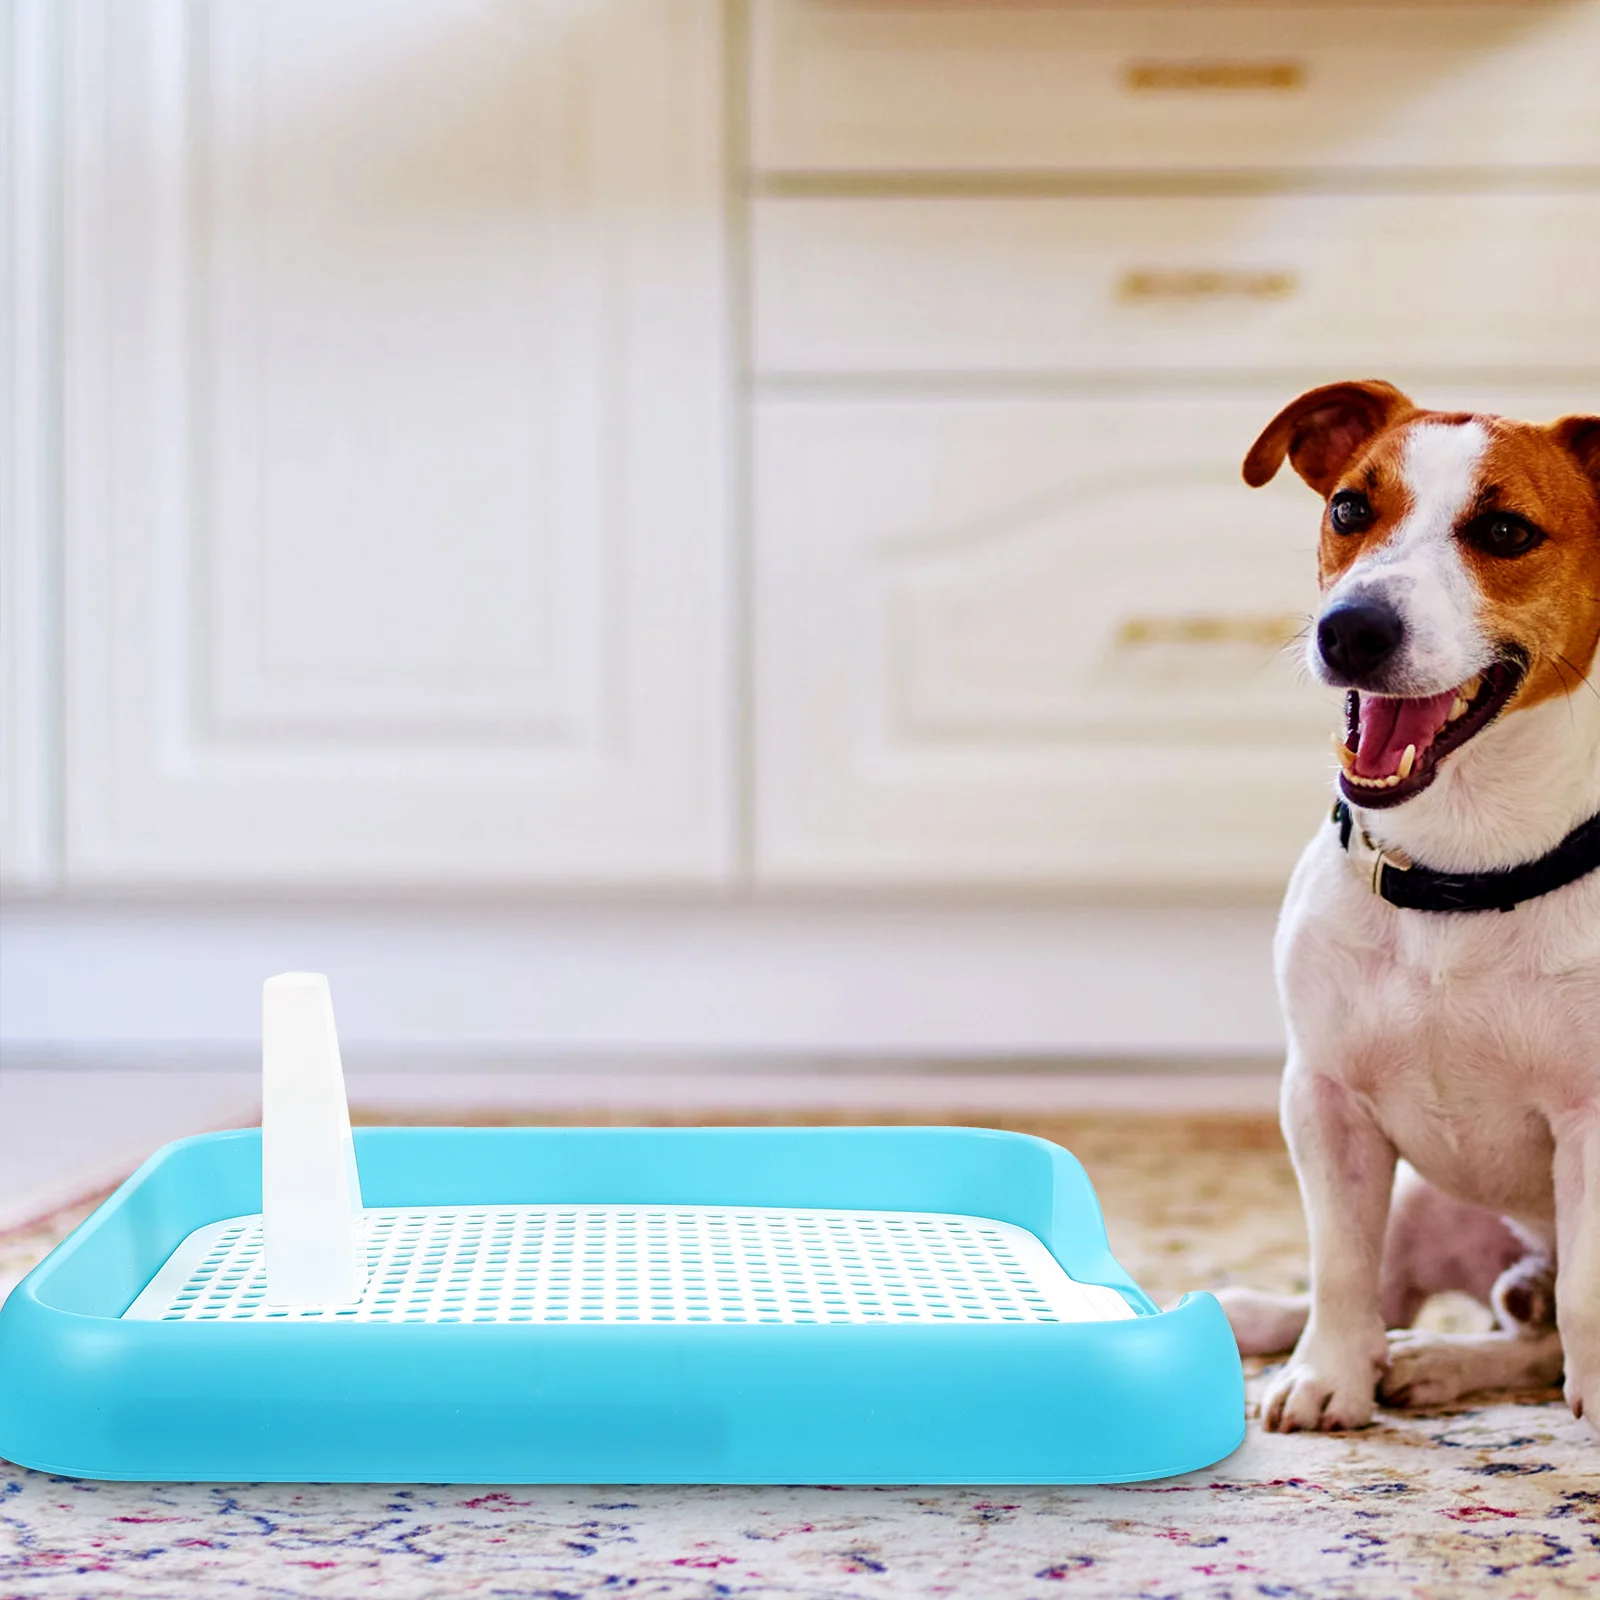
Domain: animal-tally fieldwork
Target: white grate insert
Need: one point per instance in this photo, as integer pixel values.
(640, 1264)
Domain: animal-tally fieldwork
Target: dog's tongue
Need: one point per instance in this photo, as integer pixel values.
(1388, 726)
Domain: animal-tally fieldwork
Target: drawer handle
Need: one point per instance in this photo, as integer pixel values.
(1267, 632)
(1143, 285)
(1229, 77)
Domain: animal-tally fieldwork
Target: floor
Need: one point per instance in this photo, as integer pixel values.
(1498, 1498)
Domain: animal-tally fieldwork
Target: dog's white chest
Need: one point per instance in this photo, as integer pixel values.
(1467, 1034)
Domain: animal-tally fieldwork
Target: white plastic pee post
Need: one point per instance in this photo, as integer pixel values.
(313, 1234)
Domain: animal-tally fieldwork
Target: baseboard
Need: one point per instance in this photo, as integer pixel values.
(938, 983)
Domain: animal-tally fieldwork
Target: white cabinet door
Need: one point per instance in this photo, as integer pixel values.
(1037, 642)
(395, 442)
(1031, 641)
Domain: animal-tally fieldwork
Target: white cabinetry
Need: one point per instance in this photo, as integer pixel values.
(368, 397)
(395, 442)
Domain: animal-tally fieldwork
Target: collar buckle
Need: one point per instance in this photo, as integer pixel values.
(1384, 856)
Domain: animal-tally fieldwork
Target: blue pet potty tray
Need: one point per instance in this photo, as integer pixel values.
(622, 1305)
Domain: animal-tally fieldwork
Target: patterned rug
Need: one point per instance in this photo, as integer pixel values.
(1498, 1499)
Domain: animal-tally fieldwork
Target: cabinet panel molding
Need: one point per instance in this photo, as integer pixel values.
(397, 428)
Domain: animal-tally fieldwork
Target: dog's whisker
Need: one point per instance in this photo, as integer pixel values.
(1572, 716)
(1583, 677)
(1293, 648)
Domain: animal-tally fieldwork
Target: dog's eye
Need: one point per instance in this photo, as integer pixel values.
(1502, 534)
(1349, 512)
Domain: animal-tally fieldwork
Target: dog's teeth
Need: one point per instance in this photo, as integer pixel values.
(1470, 688)
(1347, 756)
(1391, 780)
(1458, 710)
(1407, 762)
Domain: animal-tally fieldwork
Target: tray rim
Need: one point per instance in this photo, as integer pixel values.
(1083, 1250)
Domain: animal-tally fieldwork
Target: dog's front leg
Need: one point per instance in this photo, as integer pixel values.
(1577, 1186)
(1345, 1164)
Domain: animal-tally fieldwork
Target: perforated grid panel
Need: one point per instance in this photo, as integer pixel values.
(641, 1264)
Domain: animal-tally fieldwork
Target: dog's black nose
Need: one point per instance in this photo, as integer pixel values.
(1357, 637)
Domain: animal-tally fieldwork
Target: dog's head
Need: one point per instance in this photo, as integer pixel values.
(1459, 565)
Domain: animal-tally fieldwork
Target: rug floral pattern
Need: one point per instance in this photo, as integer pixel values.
(1498, 1499)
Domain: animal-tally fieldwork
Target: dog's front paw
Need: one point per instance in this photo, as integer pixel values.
(1580, 1339)
(1583, 1392)
(1321, 1392)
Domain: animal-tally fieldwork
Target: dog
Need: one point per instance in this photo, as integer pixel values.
(1438, 952)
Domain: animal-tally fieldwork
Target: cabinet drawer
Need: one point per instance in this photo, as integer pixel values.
(1325, 282)
(1036, 642)
(1014, 86)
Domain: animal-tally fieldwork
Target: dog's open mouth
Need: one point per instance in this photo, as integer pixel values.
(1393, 745)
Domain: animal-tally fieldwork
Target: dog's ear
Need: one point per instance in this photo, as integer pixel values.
(1581, 436)
(1322, 430)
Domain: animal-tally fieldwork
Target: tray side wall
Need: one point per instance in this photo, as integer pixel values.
(1063, 1403)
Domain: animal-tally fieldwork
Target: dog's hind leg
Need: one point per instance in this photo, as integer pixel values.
(1523, 1351)
(1433, 1243)
(1443, 1243)
(1436, 1244)
(1264, 1324)
(1433, 1369)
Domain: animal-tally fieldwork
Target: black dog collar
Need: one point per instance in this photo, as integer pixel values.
(1415, 888)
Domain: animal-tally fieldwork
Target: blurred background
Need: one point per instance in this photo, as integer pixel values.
(690, 553)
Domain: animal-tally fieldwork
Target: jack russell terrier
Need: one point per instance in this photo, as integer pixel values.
(1438, 955)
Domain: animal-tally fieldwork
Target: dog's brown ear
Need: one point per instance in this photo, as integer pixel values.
(1581, 435)
(1322, 430)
